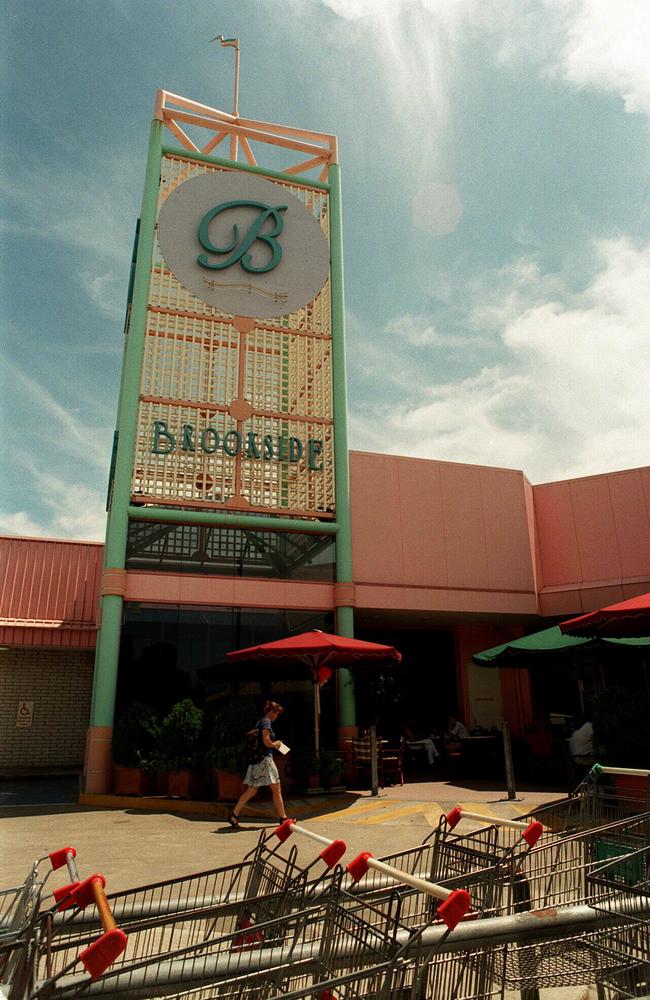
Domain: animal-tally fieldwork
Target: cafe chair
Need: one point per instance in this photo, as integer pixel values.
(392, 764)
(361, 759)
(454, 755)
(390, 761)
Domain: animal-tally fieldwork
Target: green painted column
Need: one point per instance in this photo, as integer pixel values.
(177, 515)
(345, 615)
(108, 639)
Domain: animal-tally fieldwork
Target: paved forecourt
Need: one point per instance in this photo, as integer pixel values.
(132, 846)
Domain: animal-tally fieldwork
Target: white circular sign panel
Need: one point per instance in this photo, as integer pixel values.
(242, 244)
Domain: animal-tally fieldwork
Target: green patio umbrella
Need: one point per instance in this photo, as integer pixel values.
(525, 651)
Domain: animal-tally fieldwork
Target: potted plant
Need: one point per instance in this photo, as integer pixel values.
(622, 737)
(229, 766)
(305, 769)
(180, 748)
(227, 750)
(135, 739)
(332, 766)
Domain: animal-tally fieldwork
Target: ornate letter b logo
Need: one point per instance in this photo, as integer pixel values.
(237, 250)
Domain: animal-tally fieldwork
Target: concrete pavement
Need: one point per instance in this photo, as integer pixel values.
(146, 840)
(132, 846)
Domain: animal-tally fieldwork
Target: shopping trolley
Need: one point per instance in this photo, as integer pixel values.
(264, 870)
(488, 957)
(20, 908)
(254, 950)
(338, 933)
(623, 871)
(20, 902)
(596, 801)
(180, 914)
(19, 975)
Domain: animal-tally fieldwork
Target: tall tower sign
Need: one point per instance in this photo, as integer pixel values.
(232, 404)
(236, 401)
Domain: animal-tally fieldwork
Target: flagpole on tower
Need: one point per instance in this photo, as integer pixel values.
(232, 43)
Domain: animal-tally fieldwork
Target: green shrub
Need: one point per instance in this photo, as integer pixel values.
(180, 737)
(135, 737)
(231, 723)
(332, 767)
(305, 763)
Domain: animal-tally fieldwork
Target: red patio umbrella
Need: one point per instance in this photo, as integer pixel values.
(626, 619)
(322, 653)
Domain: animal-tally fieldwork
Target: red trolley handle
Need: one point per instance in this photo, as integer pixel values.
(331, 854)
(65, 856)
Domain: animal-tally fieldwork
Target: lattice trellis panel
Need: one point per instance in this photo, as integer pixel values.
(197, 363)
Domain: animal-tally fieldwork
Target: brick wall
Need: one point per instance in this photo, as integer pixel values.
(59, 682)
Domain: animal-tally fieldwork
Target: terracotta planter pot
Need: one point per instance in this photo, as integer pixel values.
(184, 784)
(227, 785)
(284, 770)
(133, 781)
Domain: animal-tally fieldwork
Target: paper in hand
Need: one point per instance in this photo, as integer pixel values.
(283, 748)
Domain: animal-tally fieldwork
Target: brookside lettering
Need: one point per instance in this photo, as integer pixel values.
(266, 448)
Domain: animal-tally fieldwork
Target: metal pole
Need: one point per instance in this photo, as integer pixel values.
(507, 755)
(235, 109)
(316, 716)
(344, 574)
(374, 777)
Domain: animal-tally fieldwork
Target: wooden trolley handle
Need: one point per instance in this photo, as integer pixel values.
(101, 902)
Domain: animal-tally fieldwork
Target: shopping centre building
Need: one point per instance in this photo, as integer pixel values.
(236, 514)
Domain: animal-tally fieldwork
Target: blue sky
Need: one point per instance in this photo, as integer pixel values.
(495, 164)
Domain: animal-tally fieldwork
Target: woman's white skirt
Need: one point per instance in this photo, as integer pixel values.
(264, 773)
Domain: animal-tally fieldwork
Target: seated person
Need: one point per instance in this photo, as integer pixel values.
(581, 743)
(456, 730)
(414, 742)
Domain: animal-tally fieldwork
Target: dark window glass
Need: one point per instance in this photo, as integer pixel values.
(188, 548)
(169, 652)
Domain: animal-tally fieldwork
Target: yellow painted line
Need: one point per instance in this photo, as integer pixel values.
(149, 804)
(478, 807)
(433, 812)
(359, 808)
(387, 815)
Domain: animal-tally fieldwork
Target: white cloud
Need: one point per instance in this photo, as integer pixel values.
(43, 435)
(86, 208)
(570, 399)
(436, 209)
(607, 46)
(414, 48)
(420, 332)
(21, 524)
(502, 295)
(107, 292)
(55, 423)
(71, 511)
(589, 43)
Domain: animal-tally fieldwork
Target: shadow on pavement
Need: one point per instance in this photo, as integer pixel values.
(59, 789)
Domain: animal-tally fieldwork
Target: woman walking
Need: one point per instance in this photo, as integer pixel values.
(263, 772)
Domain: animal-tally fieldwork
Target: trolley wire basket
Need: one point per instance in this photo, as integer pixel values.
(183, 913)
(353, 940)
